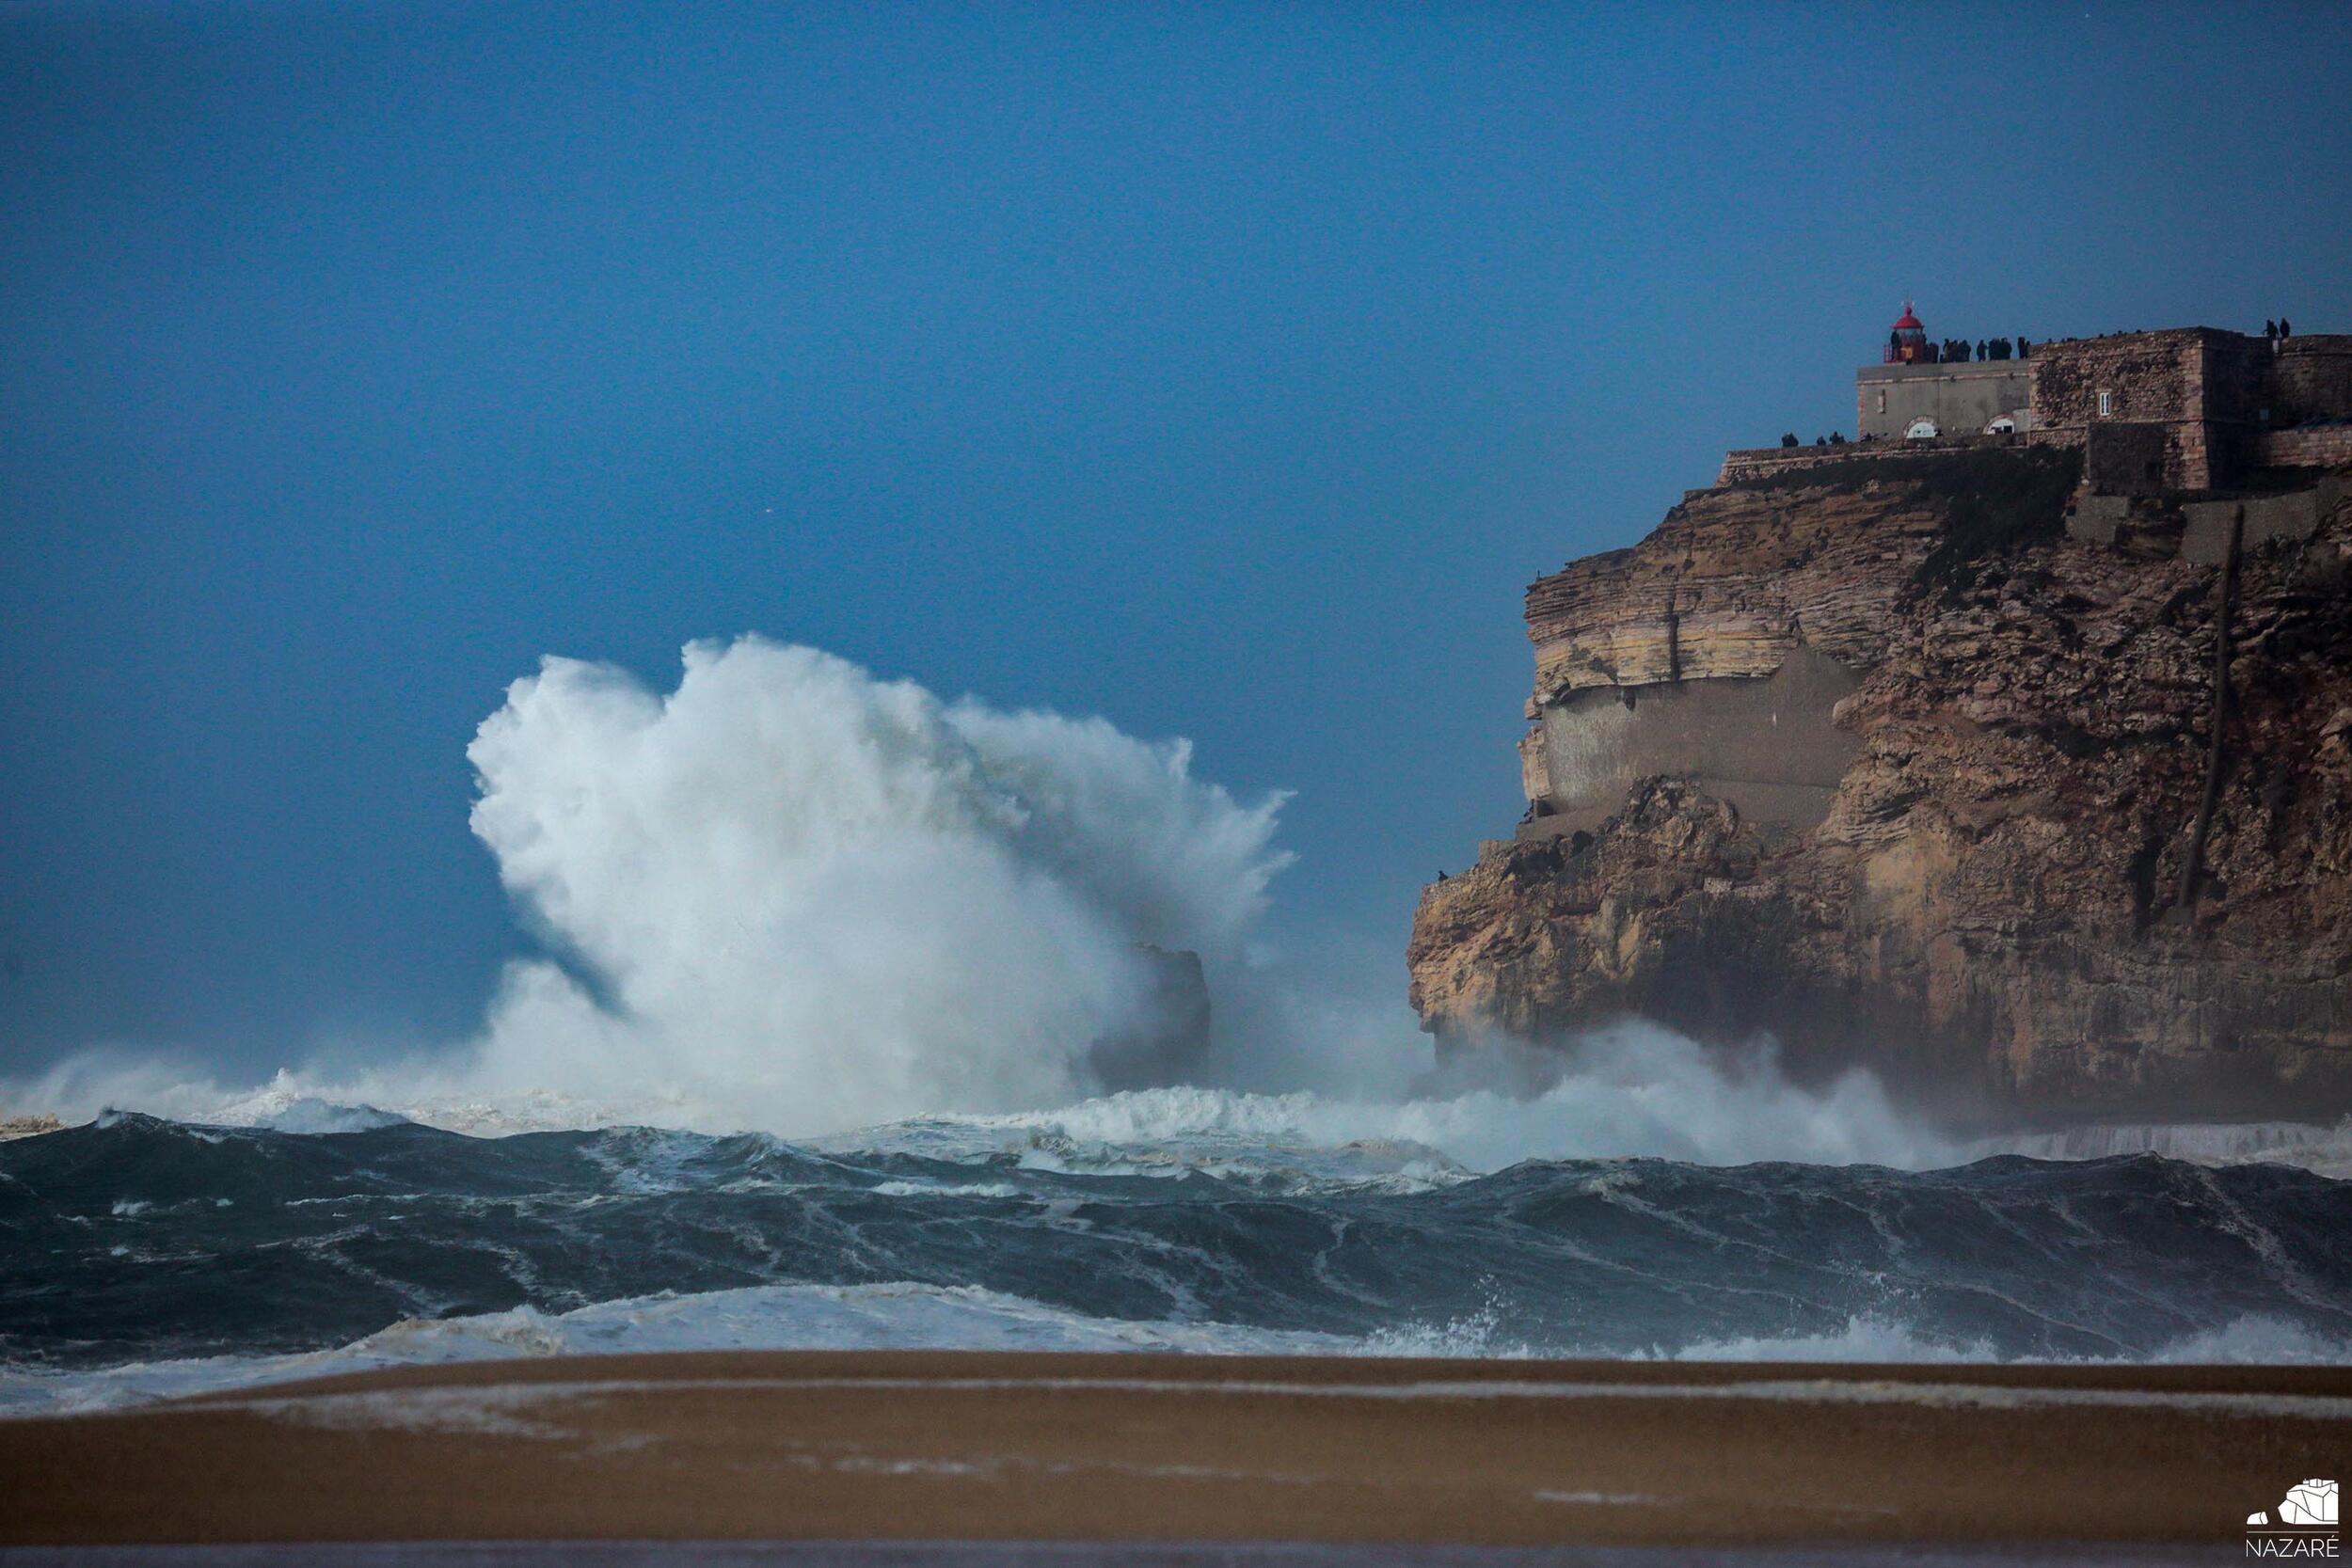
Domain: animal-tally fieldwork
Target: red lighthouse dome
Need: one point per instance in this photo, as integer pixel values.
(1907, 342)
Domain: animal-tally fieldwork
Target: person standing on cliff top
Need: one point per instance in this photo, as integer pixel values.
(2285, 331)
(2270, 329)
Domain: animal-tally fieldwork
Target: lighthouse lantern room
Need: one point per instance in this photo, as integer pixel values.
(1907, 344)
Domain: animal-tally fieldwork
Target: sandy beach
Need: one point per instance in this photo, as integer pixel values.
(932, 1446)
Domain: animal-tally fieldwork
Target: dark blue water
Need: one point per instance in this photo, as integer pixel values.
(137, 1240)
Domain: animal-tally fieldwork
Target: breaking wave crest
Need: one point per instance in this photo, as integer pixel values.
(790, 896)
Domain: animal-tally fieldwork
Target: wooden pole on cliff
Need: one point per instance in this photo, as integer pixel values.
(2184, 903)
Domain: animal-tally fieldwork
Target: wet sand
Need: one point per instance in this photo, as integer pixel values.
(944, 1445)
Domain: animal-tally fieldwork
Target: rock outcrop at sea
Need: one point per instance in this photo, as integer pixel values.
(1983, 861)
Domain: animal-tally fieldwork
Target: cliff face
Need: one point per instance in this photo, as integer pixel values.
(1903, 763)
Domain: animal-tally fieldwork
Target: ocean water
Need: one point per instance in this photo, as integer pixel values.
(141, 1256)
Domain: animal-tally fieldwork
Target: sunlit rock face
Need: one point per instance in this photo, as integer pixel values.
(1885, 760)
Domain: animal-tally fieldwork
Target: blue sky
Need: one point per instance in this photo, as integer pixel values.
(1224, 371)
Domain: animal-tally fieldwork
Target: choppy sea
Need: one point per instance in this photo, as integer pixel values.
(141, 1256)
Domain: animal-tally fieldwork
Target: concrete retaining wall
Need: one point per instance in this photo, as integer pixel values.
(2292, 516)
(1767, 745)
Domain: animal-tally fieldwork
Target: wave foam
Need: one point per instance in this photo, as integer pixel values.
(2316, 1147)
(1629, 1091)
(906, 1316)
(900, 1316)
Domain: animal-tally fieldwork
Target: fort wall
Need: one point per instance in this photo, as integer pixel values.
(2154, 380)
(2313, 447)
(2220, 398)
(1957, 398)
(2311, 379)
(2234, 384)
(2123, 458)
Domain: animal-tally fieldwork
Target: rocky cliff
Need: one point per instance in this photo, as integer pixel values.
(1914, 764)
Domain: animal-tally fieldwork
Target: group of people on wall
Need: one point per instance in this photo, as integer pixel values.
(1957, 351)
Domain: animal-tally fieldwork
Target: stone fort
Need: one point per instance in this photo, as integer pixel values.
(2188, 408)
(1718, 649)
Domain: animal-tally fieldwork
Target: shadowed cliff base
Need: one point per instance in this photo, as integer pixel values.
(2032, 879)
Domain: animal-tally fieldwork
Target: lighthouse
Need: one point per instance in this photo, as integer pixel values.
(1907, 342)
(1914, 393)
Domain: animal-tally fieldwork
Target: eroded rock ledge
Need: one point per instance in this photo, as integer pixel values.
(1902, 764)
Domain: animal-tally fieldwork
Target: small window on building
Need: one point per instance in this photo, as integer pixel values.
(1882, 400)
(2106, 403)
